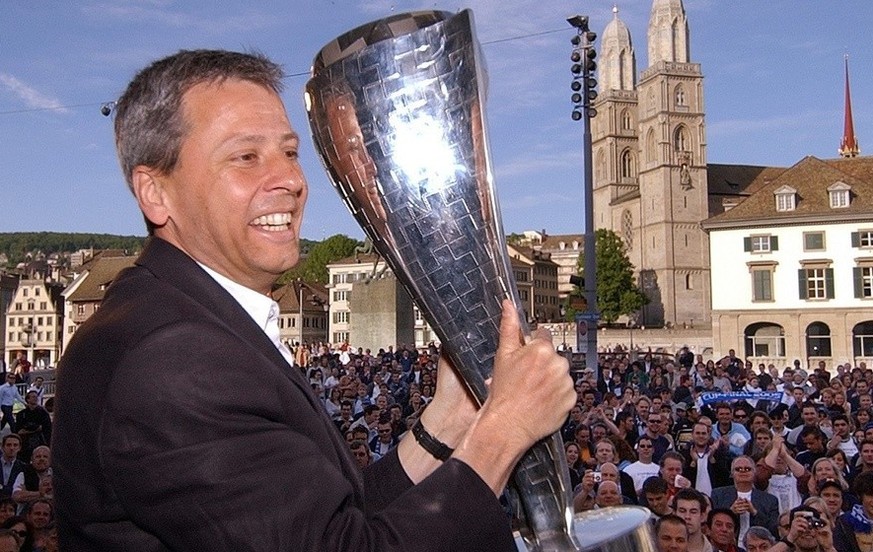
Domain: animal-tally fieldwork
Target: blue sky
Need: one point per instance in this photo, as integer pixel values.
(773, 90)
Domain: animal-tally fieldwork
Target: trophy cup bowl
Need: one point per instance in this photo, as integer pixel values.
(396, 113)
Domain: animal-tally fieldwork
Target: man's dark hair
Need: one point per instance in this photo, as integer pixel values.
(840, 416)
(622, 416)
(863, 484)
(370, 408)
(671, 519)
(671, 454)
(654, 485)
(10, 436)
(149, 125)
(728, 512)
(691, 494)
(811, 430)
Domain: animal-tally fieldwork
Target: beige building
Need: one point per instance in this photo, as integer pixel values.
(793, 273)
(563, 249)
(85, 293)
(536, 277)
(34, 322)
(302, 312)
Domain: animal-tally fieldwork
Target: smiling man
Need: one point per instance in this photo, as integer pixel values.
(181, 421)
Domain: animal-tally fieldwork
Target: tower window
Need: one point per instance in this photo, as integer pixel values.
(680, 140)
(627, 165)
(680, 96)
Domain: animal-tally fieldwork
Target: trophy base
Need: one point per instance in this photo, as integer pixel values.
(615, 529)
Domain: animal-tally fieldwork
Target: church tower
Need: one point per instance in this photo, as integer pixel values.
(674, 250)
(849, 144)
(614, 130)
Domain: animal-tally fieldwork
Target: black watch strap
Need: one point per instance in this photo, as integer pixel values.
(428, 442)
(787, 543)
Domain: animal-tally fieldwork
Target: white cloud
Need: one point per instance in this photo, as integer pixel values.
(29, 95)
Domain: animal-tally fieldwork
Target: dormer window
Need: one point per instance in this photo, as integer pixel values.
(562, 245)
(786, 198)
(839, 195)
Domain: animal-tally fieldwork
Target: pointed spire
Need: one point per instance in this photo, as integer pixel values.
(848, 145)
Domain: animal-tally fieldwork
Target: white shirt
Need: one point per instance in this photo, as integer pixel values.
(639, 472)
(263, 310)
(745, 517)
(703, 483)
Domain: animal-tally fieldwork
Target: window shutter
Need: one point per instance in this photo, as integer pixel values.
(747, 244)
(801, 283)
(774, 243)
(856, 239)
(859, 292)
(829, 282)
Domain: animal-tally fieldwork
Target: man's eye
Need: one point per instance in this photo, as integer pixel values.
(292, 154)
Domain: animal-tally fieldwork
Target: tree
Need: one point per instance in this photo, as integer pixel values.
(313, 268)
(617, 292)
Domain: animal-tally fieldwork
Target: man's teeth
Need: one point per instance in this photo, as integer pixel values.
(273, 221)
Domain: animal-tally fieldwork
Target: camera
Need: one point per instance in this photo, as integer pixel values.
(598, 476)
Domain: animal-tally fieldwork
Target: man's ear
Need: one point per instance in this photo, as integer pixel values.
(148, 187)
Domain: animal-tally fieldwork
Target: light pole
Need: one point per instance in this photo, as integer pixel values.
(583, 86)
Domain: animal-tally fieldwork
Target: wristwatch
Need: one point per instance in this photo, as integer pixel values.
(787, 543)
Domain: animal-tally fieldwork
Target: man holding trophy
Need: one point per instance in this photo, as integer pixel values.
(181, 424)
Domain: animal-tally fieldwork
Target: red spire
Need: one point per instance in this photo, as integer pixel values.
(848, 145)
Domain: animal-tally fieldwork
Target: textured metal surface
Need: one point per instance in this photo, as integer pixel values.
(396, 112)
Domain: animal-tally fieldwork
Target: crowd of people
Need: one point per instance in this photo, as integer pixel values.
(27, 521)
(726, 455)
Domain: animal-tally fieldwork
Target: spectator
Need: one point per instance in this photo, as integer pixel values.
(11, 465)
(751, 506)
(707, 461)
(830, 492)
(362, 453)
(809, 416)
(808, 532)
(722, 529)
(643, 468)
(778, 473)
(571, 449)
(655, 496)
(758, 539)
(672, 534)
(608, 494)
(385, 440)
(7, 509)
(813, 440)
(822, 469)
(8, 541)
(9, 395)
(732, 434)
(22, 529)
(672, 466)
(854, 529)
(40, 513)
(34, 426)
(653, 432)
(26, 487)
(690, 505)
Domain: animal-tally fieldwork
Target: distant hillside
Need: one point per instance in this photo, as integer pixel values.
(17, 244)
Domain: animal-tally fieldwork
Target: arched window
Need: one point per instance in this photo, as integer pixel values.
(765, 339)
(651, 146)
(680, 139)
(628, 166)
(862, 339)
(600, 172)
(818, 340)
(626, 120)
(689, 282)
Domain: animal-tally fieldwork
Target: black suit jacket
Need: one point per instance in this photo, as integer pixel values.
(766, 504)
(179, 426)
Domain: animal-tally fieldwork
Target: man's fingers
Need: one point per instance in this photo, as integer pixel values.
(510, 329)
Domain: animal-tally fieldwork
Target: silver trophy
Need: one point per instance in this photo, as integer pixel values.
(396, 111)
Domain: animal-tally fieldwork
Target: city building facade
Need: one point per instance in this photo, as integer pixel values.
(34, 322)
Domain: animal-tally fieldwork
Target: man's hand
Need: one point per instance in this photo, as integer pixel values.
(530, 394)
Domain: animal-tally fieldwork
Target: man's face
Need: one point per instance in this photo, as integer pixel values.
(724, 415)
(755, 544)
(657, 503)
(798, 395)
(743, 470)
(362, 456)
(672, 537)
(598, 433)
(671, 468)
(384, 433)
(813, 443)
(645, 450)
(689, 511)
(10, 379)
(576, 414)
(41, 459)
(582, 436)
(38, 382)
(867, 455)
(235, 200)
(608, 494)
(810, 416)
(865, 401)
(841, 428)
(722, 531)
(700, 434)
(40, 515)
(654, 424)
(346, 411)
(11, 448)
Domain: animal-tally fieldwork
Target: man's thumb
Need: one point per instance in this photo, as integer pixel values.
(510, 329)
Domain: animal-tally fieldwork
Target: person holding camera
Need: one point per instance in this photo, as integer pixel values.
(808, 532)
(853, 531)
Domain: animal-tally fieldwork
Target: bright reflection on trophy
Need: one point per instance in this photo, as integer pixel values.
(396, 111)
